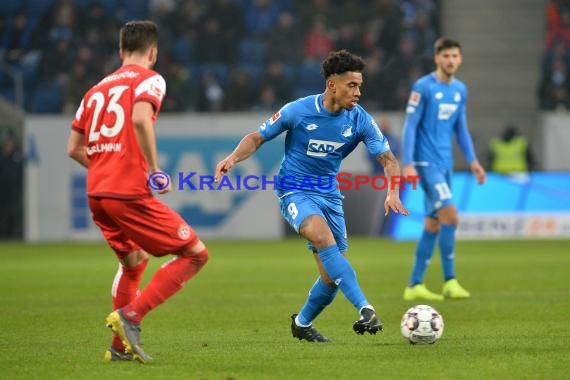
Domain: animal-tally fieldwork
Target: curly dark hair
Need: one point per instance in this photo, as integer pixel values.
(341, 61)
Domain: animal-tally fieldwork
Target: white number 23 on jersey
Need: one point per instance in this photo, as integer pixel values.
(98, 101)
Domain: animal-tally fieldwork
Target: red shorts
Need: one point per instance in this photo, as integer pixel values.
(129, 225)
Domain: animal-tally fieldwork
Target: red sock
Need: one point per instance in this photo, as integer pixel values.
(124, 290)
(167, 281)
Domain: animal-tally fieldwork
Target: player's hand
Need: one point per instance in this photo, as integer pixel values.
(224, 167)
(159, 181)
(410, 172)
(479, 172)
(166, 187)
(393, 203)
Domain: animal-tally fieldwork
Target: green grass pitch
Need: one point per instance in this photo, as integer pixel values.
(232, 320)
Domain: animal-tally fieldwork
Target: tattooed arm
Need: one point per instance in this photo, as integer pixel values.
(394, 179)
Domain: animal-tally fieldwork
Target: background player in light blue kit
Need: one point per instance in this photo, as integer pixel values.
(436, 111)
(321, 130)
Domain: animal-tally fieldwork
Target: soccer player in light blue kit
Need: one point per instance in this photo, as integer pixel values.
(436, 111)
(321, 130)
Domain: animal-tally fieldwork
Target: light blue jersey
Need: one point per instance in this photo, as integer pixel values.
(435, 111)
(316, 143)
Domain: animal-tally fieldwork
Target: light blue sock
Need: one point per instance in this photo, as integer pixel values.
(320, 296)
(340, 271)
(447, 250)
(424, 252)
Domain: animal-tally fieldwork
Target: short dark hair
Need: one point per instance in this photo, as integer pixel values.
(138, 36)
(341, 61)
(444, 43)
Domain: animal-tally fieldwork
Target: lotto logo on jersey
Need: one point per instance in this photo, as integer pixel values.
(321, 148)
(446, 110)
(415, 98)
(274, 118)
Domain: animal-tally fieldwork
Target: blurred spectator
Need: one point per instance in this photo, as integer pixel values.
(4, 36)
(280, 83)
(56, 61)
(554, 90)
(17, 38)
(558, 51)
(285, 41)
(77, 85)
(163, 12)
(373, 85)
(510, 153)
(261, 16)
(233, 25)
(162, 6)
(318, 41)
(558, 22)
(60, 22)
(267, 99)
(325, 9)
(181, 90)
(10, 187)
(391, 26)
(401, 96)
(399, 67)
(186, 17)
(211, 94)
(239, 92)
(350, 39)
(425, 34)
(210, 41)
(371, 34)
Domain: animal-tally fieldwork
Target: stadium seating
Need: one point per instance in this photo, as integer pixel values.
(252, 50)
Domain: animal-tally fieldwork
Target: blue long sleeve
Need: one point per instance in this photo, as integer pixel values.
(464, 138)
(409, 138)
(413, 115)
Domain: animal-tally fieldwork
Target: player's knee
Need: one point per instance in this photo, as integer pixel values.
(202, 257)
(448, 215)
(198, 258)
(449, 219)
(328, 281)
(431, 225)
(316, 230)
(319, 237)
(135, 258)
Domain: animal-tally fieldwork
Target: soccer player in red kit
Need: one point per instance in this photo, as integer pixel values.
(113, 137)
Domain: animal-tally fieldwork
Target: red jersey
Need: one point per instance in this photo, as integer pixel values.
(117, 167)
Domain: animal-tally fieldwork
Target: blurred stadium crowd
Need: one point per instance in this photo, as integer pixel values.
(217, 55)
(554, 89)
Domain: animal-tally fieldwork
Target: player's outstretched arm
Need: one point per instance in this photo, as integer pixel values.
(76, 148)
(246, 147)
(478, 172)
(392, 170)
